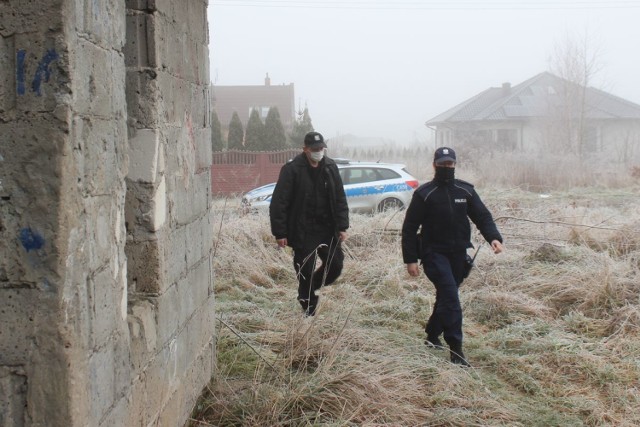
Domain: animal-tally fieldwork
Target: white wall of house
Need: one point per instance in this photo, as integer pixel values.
(621, 138)
(621, 141)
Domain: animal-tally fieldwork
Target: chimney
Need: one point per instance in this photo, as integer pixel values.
(267, 80)
(506, 88)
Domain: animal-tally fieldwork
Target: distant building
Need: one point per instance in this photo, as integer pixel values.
(243, 99)
(544, 112)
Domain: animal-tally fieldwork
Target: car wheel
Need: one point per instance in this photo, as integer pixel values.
(390, 203)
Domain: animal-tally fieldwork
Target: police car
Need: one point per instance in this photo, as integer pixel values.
(369, 186)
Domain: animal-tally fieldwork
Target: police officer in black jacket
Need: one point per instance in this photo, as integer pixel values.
(441, 208)
(309, 213)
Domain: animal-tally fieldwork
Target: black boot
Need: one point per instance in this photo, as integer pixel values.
(313, 305)
(304, 303)
(433, 342)
(309, 306)
(457, 356)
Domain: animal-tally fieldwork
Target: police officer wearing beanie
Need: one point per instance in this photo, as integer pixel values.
(309, 213)
(441, 209)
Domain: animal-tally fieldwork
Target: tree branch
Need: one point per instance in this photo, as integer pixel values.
(554, 222)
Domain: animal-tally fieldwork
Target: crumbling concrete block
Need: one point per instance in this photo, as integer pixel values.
(145, 153)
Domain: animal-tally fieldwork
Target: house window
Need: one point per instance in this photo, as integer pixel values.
(484, 137)
(262, 111)
(507, 139)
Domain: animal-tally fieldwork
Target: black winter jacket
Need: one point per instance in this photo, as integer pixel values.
(442, 208)
(292, 195)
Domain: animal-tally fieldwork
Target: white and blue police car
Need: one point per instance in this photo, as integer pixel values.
(369, 186)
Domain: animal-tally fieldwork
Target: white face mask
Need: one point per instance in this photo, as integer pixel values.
(316, 156)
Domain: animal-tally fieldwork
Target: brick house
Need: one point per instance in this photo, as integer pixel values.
(243, 99)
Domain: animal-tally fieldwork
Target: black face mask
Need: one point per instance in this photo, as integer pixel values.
(445, 174)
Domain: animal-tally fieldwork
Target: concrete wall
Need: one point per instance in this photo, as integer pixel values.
(106, 301)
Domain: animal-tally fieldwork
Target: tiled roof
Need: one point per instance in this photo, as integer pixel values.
(536, 97)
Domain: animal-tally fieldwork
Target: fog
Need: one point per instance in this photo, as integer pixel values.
(382, 68)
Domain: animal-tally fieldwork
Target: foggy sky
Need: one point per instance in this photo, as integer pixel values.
(382, 68)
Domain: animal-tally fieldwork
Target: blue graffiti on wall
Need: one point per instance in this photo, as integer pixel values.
(31, 240)
(20, 72)
(43, 72)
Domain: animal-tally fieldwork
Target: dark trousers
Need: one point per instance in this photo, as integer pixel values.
(445, 271)
(322, 244)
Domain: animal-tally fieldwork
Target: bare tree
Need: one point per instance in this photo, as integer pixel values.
(577, 61)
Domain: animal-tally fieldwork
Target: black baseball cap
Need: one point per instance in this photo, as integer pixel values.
(314, 140)
(444, 154)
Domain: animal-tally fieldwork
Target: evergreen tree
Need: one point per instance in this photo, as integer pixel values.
(254, 138)
(236, 133)
(217, 143)
(274, 136)
(301, 127)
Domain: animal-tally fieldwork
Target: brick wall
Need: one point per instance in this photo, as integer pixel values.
(235, 172)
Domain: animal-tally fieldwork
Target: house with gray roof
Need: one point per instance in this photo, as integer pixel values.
(546, 112)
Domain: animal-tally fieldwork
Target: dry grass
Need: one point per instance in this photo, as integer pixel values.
(552, 326)
(545, 171)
